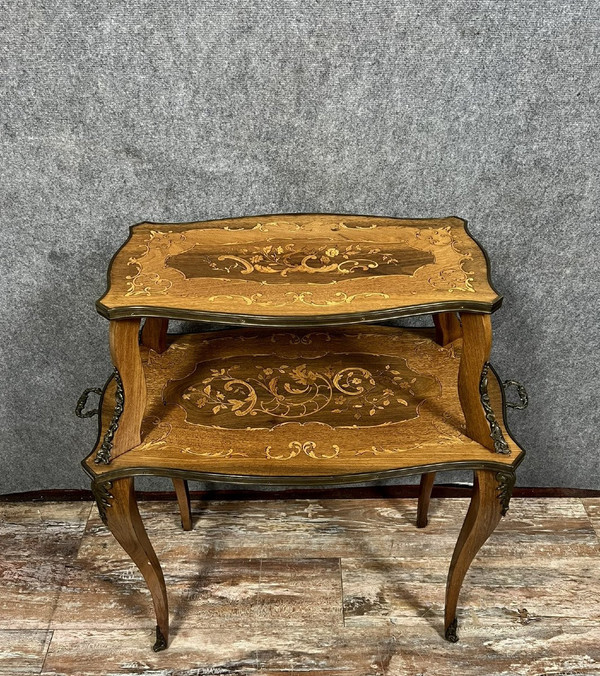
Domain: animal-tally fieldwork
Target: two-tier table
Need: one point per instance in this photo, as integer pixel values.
(306, 393)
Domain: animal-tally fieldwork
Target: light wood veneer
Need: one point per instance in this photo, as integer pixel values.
(303, 401)
(298, 269)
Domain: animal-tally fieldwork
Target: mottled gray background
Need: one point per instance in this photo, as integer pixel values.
(113, 113)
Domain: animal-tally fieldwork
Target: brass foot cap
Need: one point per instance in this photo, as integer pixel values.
(161, 641)
(451, 632)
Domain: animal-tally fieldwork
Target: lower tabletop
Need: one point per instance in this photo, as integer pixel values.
(311, 406)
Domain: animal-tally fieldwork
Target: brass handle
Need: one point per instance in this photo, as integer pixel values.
(82, 401)
(521, 391)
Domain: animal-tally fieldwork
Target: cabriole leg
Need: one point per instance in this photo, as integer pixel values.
(447, 327)
(491, 495)
(477, 345)
(125, 427)
(154, 333)
(183, 498)
(119, 511)
(425, 489)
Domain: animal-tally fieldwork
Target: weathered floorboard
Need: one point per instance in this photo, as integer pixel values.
(370, 528)
(592, 508)
(105, 590)
(494, 591)
(22, 651)
(257, 588)
(199, 650)
(38, 542)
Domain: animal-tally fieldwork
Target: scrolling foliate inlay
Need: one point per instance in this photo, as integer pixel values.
(310, 449)
(306, 298)
(302, 398)
(311, 262)
(306, 447)
(349, 265)
(350, 390)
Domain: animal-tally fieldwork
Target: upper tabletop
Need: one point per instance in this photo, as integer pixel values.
(298, 269)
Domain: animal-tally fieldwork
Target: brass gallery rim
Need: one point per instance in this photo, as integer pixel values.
(295, 480)
(298, 269)
(106, 475)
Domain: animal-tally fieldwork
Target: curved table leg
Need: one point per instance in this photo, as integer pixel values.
(183, 498)
(425, 489)
(154, 337)
(118, 510)
(447, 327)
(124, 430)
(477, 345)
(491, 495)
(154, 333)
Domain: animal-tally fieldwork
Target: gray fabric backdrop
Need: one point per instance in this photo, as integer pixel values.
(118, 112)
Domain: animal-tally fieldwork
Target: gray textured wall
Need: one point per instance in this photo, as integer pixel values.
(118, 112)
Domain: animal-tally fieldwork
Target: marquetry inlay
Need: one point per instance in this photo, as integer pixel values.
(297, 265)
(295, 400)
(303, 402)
(346, 390)
(284, 261)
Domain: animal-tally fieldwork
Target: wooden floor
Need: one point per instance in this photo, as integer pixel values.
(327, 587)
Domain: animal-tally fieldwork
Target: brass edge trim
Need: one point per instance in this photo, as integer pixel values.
(308, 480)
(184, 224)
(100, 405)
(104, 452)
(300, 480)
(128, 311)
(296, 321)
(488, 263)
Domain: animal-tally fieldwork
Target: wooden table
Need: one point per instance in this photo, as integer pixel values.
(299, 396)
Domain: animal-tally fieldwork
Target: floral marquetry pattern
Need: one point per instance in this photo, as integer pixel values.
(309, 448)
(306, 298)
(281, 262)
(290, 266)
(353, 390)
(299, 396)
(311, 401)
(317, 396)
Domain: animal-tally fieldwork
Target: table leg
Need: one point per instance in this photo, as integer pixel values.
(491, 495)
(183, 498)
(127, 420)
(119, 511)
(447, 327)
(426, 487)
(477, 345)
(154, 333)
(154, 337)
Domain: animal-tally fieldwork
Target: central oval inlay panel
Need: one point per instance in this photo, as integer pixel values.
(285, 261)
(341, 390)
